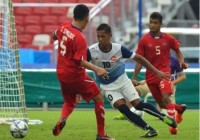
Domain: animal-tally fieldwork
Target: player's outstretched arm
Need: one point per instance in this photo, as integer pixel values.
(137, 70)
(180, 58)
(99, 71)
(149, 66)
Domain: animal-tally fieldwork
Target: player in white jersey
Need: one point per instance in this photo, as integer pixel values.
(118, 88)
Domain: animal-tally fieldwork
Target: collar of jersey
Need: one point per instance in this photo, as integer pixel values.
(107, 51)
(156, 37)
(76, 27)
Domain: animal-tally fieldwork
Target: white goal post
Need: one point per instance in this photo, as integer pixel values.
(12, 98)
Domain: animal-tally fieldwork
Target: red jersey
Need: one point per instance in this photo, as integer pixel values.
(72, 49)
(157, 51)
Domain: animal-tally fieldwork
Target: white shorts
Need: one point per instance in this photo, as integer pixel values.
(127, 91)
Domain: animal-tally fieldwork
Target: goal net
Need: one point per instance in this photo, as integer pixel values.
(12, 98)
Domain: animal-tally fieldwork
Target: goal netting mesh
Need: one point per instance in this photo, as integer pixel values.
(12, 98)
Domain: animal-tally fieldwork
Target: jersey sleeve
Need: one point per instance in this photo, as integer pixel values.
(140, 49)
(58, 33)
(80, 49)
(126, 53)
(174, 44)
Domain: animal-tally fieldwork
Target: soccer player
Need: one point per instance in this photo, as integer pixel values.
(177, 76)
(155, 46)
(71, 64)
(117, 86)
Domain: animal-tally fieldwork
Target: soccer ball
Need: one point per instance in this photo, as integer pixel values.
(18, 129)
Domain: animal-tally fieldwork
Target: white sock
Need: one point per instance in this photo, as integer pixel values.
(164, 111)
(132, 109)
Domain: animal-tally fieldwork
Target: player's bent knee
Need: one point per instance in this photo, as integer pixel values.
(135, 102)
(139, 106)
(119, 103)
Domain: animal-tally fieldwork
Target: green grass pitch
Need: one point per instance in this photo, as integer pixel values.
(81, 125)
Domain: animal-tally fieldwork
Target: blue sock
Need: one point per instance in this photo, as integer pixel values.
(150, 109)
(133, 118)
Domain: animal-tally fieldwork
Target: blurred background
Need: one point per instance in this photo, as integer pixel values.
(37, 19)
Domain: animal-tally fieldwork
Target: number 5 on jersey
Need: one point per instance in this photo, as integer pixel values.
(157, 50)
(63, 47)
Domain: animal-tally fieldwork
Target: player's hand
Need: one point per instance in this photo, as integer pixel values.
(135, 82)
(184, 65)
(163, 75)
(102, 73)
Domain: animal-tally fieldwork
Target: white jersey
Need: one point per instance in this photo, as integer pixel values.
(111, 61)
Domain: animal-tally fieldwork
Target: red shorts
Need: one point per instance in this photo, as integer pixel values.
(88, 89)
(160, 87)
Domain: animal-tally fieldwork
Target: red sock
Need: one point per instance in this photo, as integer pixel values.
(171, 109)
(66, 110)
(178, 108)
(99, 111)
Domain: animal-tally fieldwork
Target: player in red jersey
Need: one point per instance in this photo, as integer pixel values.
(71, 64)
(155, 47)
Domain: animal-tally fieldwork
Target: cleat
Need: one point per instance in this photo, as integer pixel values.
(173, 131)
(150, 134)
(169, 121)
(179, 115)
(119, 117)
(58, 128)
(104, 137)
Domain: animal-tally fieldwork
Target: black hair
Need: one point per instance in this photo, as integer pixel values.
(105, 27)
(80, 12)
(156, 15)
